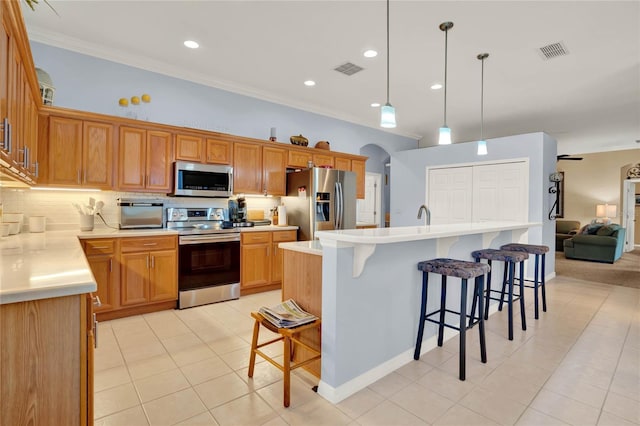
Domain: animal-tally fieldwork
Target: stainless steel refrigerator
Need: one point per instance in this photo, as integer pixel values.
(320, 199)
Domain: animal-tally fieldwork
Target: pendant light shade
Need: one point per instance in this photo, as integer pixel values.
(388, 112)
(482, 144)
(445, 132)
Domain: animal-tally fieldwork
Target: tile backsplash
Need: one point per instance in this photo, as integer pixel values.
(57, 206)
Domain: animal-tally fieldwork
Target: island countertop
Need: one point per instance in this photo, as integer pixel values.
(416, 233)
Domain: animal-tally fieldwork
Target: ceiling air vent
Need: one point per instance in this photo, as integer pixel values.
(348, 68)
(554, 50)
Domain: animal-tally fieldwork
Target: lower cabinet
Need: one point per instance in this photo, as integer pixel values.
(134, 274)
(46, 361)
(261, 260)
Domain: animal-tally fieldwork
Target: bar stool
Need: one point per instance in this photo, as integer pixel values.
(539, 251)
(510, 258)
(460, 269)
(289, 335)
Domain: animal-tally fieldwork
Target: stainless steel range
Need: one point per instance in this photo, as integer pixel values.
(208, 255)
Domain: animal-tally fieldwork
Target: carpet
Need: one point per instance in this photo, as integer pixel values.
(625, 272)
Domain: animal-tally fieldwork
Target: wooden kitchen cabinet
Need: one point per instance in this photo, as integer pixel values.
(101, 254)
(259, 169)
(80, 153)
(148, 270)
(218, 152)
(144, 160)
(358, 167)
(298, 159)
(189, 148)
(323, 160)
(261, 260)
(196, 149)
(46, 367)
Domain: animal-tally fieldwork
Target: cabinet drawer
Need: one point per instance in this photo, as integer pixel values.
(148, 243)
(255, 237)
(281, 236)
(99, 246)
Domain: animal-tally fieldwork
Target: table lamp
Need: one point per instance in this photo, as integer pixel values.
(605, 212)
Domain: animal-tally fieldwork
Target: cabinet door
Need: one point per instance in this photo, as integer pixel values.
(218, 152)
(102, 267)
(163, 281)
(15, 99)
(189, 148)
(97, 155)
(134, 278)
(342, 163)
(158, 164)
(247, 168)
(320, 160)
(4, 64)
(255, 264)
(276, 253)
(274, 168)
(358, 167)
(298, 158)
(131, 156)
(65, 151)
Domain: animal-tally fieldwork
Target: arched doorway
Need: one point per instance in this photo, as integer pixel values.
(375, 207)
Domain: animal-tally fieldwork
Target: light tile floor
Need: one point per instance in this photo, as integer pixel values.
(579, 364)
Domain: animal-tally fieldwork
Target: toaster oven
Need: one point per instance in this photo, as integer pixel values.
(140, 213)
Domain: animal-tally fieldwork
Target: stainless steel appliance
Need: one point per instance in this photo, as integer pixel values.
(140, 213)
(208, 255)
(202, 180)
(320, 199)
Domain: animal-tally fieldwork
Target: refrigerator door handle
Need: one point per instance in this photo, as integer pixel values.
(339, 206)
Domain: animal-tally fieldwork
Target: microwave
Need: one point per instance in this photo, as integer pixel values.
(202, 180)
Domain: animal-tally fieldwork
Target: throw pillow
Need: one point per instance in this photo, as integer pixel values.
(608, 230)
(593, 228)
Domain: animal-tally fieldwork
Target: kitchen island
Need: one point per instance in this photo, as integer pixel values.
(371, 295)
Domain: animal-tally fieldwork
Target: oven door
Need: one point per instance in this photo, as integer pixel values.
(208, 260)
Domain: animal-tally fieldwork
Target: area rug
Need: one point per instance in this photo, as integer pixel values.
(625, 272)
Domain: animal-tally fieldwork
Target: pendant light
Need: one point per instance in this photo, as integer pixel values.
(387, 112)
(482, 144)
(445, 132)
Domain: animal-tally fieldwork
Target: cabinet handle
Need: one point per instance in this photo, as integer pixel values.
(153, 261)
(37, 169)
(150, 244)
(5, 134)
(95, 331)
(268, 251)
(84, 176)
(96, 301)
(25, 158)
(78, 176)
(111, 265)
(147, 262)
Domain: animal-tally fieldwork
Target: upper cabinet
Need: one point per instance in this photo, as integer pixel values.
(19, 97)
(80, 153)
(144, 160)
(198, 149)
(259, 169)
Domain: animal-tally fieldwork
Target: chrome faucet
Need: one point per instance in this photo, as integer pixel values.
(427, 219)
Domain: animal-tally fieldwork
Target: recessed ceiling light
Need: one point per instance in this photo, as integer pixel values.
(309, 83)
(191, 44)
(436, 86)
(375, 105)
(370, 53)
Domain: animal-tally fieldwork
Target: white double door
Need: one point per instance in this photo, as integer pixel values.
(479, 193)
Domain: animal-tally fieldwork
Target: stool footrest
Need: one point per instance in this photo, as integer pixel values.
(474, 320)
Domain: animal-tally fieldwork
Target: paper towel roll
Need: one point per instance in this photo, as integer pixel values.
(282, 216)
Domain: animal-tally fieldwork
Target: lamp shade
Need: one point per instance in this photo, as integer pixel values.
(445, 136)
(482, 148)
(606, 210)
(388, 116)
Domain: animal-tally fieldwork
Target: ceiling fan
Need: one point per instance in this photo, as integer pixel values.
(567, 157)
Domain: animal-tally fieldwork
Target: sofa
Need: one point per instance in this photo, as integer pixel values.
(565, 229)
(596, 242)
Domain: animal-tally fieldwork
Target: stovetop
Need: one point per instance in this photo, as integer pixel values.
(198, 221)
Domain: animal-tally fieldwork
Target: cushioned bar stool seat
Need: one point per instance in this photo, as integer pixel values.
(463, 270)
(510, 258)
(538, 281)
(289, 336)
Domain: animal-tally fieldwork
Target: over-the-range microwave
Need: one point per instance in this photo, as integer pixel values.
(202, 180)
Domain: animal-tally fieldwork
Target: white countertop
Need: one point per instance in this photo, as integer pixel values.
(415, 233)
(309, 247)
(43, 265)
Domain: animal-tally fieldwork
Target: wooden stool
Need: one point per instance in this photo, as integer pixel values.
(463, 270)
(538, 280)
(289, 335)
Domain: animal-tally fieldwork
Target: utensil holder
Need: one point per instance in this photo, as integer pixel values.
(86, 222)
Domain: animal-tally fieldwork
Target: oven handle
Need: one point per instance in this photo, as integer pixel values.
(202, 239)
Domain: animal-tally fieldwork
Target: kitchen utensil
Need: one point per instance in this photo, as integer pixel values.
(77, 206)
(99, 206)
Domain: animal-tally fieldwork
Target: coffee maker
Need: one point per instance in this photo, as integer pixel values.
(238, 212)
